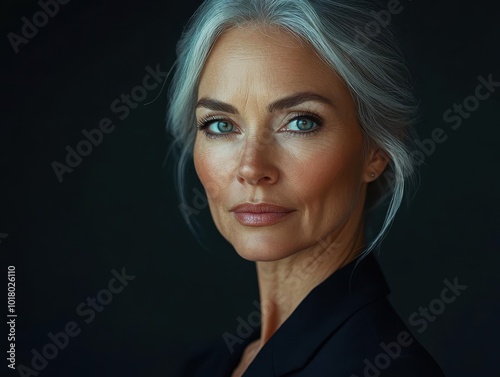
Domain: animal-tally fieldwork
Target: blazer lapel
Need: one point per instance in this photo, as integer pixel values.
(318, 316)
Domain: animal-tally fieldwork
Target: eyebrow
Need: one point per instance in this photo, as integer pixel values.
(281, 104)
(216, 105)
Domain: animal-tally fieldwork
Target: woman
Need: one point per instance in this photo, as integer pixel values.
(298, 125)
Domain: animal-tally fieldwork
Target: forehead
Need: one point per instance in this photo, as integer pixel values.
(265, 57)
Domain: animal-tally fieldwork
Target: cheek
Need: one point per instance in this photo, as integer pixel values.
(327, 173)
(209, 170)
(215, 178)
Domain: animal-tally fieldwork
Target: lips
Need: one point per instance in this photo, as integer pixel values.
(261, 214)
(260, 208)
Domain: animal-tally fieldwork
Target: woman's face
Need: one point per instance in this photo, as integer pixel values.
(278, 127)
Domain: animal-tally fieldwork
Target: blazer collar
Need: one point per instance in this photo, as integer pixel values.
(323, 310)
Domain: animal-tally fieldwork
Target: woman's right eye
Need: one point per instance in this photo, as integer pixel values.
(219, 127)
(214, 128)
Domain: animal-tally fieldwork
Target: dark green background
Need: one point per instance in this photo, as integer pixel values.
(119, 207)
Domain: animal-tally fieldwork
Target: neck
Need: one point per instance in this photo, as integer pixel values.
(284, 283)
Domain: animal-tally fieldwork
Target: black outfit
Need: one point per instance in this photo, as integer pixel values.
(345, 327)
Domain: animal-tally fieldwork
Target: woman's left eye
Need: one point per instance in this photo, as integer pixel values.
(302, 124)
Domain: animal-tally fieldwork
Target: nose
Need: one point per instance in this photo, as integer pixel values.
(258, 163)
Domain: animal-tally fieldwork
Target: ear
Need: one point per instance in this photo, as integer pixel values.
(376, 163)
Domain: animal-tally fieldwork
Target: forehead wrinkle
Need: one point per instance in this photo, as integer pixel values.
(280, 36)
(231, 77)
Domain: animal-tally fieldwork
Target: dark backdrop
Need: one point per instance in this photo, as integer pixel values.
(118, 208)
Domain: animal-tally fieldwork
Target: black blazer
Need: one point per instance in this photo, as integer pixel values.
(345, 327)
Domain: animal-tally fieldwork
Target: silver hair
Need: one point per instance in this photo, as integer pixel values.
(371, 65)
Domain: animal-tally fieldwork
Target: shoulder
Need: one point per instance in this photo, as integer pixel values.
(373, 342)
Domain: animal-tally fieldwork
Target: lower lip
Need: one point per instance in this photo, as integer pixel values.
(260, 219)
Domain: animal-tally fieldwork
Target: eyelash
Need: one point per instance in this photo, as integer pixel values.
(203, 124)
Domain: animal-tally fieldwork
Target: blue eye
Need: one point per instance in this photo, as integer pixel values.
(302, 124)
(219, 126)
(214, 128)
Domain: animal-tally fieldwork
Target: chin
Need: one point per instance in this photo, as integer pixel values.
(257, 248)
(259, 255)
